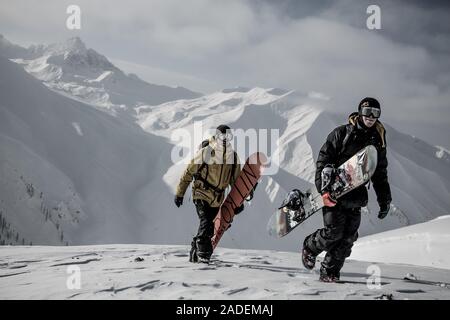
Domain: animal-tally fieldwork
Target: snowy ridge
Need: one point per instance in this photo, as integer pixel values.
(226, 106)
(442, 153)
(76, 198)
(12, 51)
(36, 215)
(72, 69)
(424, 244)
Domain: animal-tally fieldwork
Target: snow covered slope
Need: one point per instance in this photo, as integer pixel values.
(12, 51)
(71, 68)
(163, 272)
(72, 174)
(424, 244)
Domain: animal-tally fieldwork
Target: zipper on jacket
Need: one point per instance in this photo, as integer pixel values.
(221, 167)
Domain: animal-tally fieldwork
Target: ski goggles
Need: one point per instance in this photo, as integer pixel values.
(228, 136)
(370, 112)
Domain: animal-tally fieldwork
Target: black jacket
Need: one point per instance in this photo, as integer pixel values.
(342, 143)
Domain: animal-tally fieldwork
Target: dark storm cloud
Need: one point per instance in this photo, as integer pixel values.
(409, 21)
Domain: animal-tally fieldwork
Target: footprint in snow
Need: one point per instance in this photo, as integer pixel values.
(12, 274)
(234, 291)
(148, 285)
(213, 285)
(18, 267)
(410, 291)
(26, 261)
(143, 286)
(75, 262)
(85, 255)
(309, 292)
(298, 276)
(208, 268)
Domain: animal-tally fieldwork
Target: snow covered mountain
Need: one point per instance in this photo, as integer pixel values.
(81, 73)
(12, 51)
(71, 174)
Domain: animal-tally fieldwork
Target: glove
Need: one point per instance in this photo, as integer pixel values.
(384, 210)
(239, 209)
(178, 201)
(327, 201)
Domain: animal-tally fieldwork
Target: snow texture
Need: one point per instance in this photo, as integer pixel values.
(163, 272)
(425, 244)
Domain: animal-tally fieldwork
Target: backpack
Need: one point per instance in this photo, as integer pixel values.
(197, 176)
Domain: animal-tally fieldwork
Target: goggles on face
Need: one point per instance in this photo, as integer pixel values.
(224, 136)
(370, 112)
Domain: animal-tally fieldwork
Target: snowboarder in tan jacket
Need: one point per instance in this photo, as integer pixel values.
(214, 167)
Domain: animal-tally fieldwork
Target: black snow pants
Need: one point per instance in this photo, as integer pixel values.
(336, 238)
(201, 244)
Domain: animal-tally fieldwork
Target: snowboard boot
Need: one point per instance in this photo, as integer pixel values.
(193, 253)
(328, 276)
(203, 257)
(203, 249)
(308, 258)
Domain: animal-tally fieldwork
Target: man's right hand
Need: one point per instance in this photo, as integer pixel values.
(178, 201)
(384, 210)
(327, 201)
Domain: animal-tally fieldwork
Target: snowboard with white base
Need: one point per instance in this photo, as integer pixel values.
(299, 206)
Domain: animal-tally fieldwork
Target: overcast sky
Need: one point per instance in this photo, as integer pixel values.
(319, 46)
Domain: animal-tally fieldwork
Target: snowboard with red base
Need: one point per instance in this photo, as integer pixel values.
(248, 178)
(299, 206)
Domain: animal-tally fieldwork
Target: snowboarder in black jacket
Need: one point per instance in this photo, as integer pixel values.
(342, 219)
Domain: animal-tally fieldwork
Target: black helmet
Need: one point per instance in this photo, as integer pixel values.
(223, 128)
(223, 133)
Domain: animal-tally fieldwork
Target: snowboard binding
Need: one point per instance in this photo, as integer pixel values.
(294, 203)
(333, 181)
(341, 181)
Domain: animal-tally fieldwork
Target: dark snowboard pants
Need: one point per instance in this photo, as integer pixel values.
(337, 238)
(202, 241)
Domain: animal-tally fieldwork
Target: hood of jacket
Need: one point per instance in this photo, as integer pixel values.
(220, 154)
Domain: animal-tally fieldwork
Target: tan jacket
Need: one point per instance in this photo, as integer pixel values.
(217, 172)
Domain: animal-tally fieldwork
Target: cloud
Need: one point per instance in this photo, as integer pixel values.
(323, 47)
(347, 64)
(157, 75)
